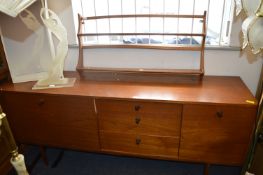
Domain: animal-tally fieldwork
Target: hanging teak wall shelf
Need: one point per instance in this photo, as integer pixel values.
(138, 74)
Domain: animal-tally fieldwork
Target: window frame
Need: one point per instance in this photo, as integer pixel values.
(226, 30)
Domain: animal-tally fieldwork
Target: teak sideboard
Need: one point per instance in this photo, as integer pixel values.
(210, 121)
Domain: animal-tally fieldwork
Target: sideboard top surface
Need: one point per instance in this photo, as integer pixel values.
(212, 89)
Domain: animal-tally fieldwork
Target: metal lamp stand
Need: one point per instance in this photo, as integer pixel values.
(17, 160)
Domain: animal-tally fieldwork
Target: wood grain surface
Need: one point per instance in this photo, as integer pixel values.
(150, 118)
(216, 134)
(205, 121)
(212, 90)
(149, 145)
(63, 121)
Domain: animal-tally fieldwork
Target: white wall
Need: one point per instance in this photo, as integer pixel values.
(217, 62)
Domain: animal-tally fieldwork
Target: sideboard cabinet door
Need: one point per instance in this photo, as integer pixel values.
(54, 120)
(216, 133)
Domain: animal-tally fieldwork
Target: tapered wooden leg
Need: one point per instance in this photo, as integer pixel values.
(206, 169)
(58, 159)
(42, 150)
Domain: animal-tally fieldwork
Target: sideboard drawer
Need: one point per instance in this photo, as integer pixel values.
(151, 118)
(63, 107)
(215, 133)
(140, 144)
(56, 120)
(148, 107)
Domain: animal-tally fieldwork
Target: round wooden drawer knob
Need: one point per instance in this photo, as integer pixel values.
(137, 107)
(41, 102)
(138, 141)
(219, 114)
(137, 120)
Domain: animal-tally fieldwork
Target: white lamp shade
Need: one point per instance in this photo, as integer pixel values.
(245, 27)
(255, 37)
(251, 6)
(260, 10)
(14, 7)
(252, 26)
(238, 6)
